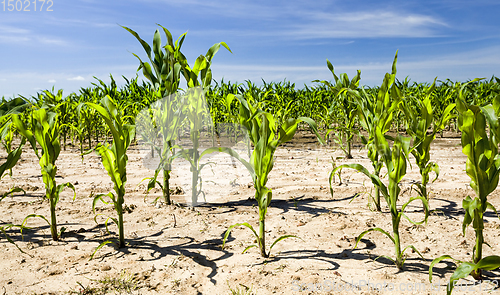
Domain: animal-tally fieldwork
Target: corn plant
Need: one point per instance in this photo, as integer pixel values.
(114, 159)
(395, 160)
(375, 111)
(419, 119)
(265, 136)
(164, 118)
(344, 105)
(197, 114)
(163, 70)
(7, 109)
(483, 168)
(45, 130)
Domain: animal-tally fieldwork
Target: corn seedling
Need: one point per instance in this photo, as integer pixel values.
(395, 160)
(344, 104)
(419, 119)
(483, 168)
(7, 109)
(114, 160)
(165, 76)
(265, 136)
(45, 131)
(163, 117)
(197, 114)
(375, 111)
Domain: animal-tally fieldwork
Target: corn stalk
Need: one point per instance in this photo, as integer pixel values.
(483, 168)
(265, 136)
(45, 131)
(114, 159)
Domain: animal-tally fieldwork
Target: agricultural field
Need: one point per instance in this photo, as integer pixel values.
(187, 185)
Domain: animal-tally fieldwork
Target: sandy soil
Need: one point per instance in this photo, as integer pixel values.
(177, 249)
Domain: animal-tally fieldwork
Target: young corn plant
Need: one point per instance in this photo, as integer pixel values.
(45, 131)
(265, 136)
(375, 111)
(114, 159)
(483, 168)
(343, 104)
(7, 109)
(197, 114)
(394, 158)
(163, 117)
(198, 117)
(163, 70)
(419, 119)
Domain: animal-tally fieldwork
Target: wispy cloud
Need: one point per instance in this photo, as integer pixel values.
(77, 78)
(363, 24)
(52, 41)
(17, 35)
(12, 30)
(301, 20)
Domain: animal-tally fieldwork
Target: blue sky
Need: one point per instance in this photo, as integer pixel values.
(272, 40)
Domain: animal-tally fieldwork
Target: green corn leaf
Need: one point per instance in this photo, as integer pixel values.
(489, 263)
(469, 205)
(99, 247)
(370, 230)
(414, 249)
(374, 178)
(462, 271)
(100, 198)
(8, 226)
(61, 187)
(144, 44)
(34, 216)
(12, 158)
(234, 154)
(249, 247)
(436, 261)
(425, 205)
(226, 235)
(282, 238)
(12, 191)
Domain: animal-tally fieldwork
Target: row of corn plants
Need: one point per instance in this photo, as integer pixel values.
(376, 114)
(270, 115)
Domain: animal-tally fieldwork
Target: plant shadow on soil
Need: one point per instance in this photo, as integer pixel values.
(189, 247)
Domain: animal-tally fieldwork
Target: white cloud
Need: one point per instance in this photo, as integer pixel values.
(13, 39)
(304, 20)
(52, 81)
(12, 30)
(364, 24)
(77, 78)
(52, 41)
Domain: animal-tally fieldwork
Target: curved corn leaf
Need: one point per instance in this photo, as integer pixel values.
(226, 235)
(370, 230)
(282, 238)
